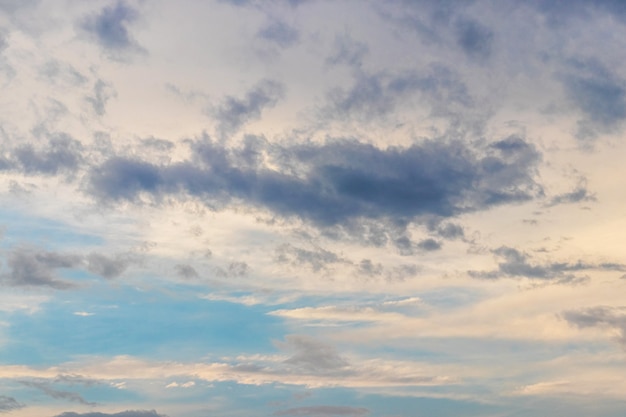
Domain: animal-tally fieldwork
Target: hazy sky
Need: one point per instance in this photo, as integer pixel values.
(312, 208)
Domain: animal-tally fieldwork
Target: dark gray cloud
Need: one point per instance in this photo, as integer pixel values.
(236, 269)
(601, 316)
(33, 268)
(337, 182)
(577, 195)
(404, 245)
(474, 38)
(311, 355)
(158, 144)
(71, 379)
(8, 404)
(61, 154)
(186, 271)
(234, 112)
(450, 231)
(598, 93)
(102, 92)
(402, 272)
(518, 264)
(110, 27)
(280, 33)
(57, 394)
(109, 267)
(318, 259)
(368, 268)
(128, 413)
(324, 411)
(429, 245)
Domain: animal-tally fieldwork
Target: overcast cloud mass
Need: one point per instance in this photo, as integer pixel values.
(312, 208)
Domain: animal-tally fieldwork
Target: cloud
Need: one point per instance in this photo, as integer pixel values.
(324, 411)
(517, 264)
(186, 271)
(128, 413)
(102, 92)
(337, 182)
(8, 404)
(474, 38)
(368, 268)
(429, 245)
(32, 268)
(450, 231)
(317, 259)
(110, 27)
(577, 195)
(312, 355)
(61, 154)
(601, 316)
(57, 394)
(109, 267)
(280, 33)
(598, 93)
(347, 51)
(234, 112)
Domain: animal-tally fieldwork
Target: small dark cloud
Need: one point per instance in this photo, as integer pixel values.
(32, 268)
(102, 92)
(601, 316)
(280, 33)
(311, 355)
(599, 94)
(236, 269)
(402, 272)
(235, 112)
(474, 38)
(450, 231)
(404, 245)
(370, 269)
(129, 413)
(76, 380)
(429, 245)
(57, 394)
(318, 259)
(109, 267)
(158, 144)
(516, 263)
(110, 27)
(577, 195)
(8, 404)
(186, 271)
(62, 154)
(324, 411)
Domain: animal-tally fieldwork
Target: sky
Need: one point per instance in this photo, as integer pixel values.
(312, 208)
